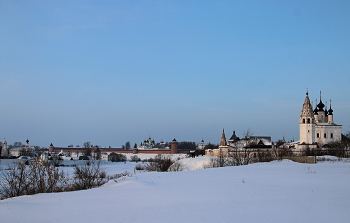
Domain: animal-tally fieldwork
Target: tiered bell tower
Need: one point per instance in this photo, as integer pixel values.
(307, 122)
(223, 139)
(3, 151)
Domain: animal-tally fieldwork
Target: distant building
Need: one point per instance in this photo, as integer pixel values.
(236, 145)
(24, 150)
(201, 145)
(74, 152)
(104, 156)
(147, 144)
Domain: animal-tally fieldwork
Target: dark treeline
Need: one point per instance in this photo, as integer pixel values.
(187, 145)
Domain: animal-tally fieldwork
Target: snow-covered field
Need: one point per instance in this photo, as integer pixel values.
(264, 192)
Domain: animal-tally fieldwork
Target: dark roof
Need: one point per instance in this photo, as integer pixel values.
(259, 146)
(261, 137)
(234, 138)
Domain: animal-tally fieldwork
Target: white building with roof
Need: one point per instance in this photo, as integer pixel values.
(317, 127)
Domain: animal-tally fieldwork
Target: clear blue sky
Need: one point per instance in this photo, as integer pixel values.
(115, 71)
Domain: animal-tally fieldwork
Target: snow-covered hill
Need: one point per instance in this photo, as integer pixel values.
(264, 192)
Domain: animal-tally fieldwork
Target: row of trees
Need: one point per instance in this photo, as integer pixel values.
(335, 148)
(182, 145)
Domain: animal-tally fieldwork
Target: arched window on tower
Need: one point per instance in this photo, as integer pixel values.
(304, 120)
(325, 135)
(331, 135)
(318, 135)
(308, 121)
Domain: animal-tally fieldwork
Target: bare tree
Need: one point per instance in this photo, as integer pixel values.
(339, 148)
(210, 146)
(25, 152)
(245, 155)
(87, 152)
(247, 134)
(281, 149)
(17, 144)
(127, 145)
(87, 149)
(97, 153)
(56, 160)
(14, 181)
(87, 145)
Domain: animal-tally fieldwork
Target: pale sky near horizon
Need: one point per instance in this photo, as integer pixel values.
(115, 71)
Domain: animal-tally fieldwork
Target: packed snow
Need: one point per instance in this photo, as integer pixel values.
(279, 191)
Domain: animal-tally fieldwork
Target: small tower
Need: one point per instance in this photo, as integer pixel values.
(307, 122)
(321, 112)
(330, 113)
(316, 113)
(201, 145)
(4, 148)
(51, 148)
(326, 114)
(223, 139)
(174, 145)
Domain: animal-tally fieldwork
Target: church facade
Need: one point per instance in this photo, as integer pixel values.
(316, 126)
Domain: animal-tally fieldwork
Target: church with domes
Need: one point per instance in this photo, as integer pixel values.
(316, 126)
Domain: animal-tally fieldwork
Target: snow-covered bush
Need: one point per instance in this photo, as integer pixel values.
(120, 176)
(140, 167)
(175, 167)
(159, 163)
(134, 158)
(117, 157)
(33, 178)
(89, 175)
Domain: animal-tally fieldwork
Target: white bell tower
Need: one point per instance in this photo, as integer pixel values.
(4, 148)
(307, 123)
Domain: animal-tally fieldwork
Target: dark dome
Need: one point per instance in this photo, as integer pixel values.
(330, 111)
(320, 106)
